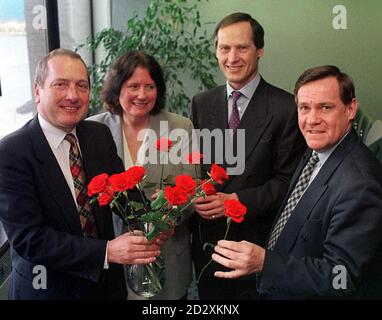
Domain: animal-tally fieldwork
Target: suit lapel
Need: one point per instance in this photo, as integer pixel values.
(314, 192)
(300, 214)
(115, 127)
(255, 119)
(218, 115)
(295, 177)
(216, 118)
(87, 141)
(54, 179)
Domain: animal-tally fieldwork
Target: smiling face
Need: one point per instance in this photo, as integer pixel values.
(138, 94)
(63, 99)
(322, 116)
(237, 54)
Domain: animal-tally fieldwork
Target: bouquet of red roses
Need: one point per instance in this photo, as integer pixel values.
(165, 210)
(160, 214)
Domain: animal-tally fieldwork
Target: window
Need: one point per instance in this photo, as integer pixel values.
(16, 104)
(28, 30)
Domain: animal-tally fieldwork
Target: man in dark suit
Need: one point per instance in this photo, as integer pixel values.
(327, 240)
(56, 254)
(267, 120)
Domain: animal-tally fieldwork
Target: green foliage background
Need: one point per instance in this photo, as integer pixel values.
(171, 31)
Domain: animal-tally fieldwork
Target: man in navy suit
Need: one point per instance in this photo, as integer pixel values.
(327, 239)
(273, 146)
(51, 256)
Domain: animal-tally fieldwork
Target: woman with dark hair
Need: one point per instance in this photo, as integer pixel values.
(134, 96)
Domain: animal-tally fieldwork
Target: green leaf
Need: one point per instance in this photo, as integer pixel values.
(175, 214)
(161, 225)
(136, 205)
(170, 179)
(92, 200)
(147, 185)
(152, 234)
(159, 201)
(151, 216)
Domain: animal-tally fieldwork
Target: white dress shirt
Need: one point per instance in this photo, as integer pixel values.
(60, 148)
(246, 95)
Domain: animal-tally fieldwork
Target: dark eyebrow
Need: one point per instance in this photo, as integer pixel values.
(60, 79)
(67, 80)
(325, 103)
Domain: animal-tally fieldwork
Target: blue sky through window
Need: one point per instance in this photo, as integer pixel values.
(11, 10)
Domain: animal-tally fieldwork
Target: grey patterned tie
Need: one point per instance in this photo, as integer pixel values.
(298, 191)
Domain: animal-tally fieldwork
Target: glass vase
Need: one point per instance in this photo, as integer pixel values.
(146, 280)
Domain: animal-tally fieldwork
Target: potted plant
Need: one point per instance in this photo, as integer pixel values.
(172, 32)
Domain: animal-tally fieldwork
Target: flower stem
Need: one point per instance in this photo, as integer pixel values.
(119, 208)
(161, 172)
(201, 272)
(122, 210)
(141, 193)
(228, 225)
(196, 191)
(192, 200)
(154, 277)
(205, 182)
(209, 262)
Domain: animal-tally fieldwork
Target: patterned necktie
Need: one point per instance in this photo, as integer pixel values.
(79, 179)
(234, 120)
(298, 191)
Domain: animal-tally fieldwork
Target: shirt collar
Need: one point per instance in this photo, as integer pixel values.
(248, 90)
(53, 134)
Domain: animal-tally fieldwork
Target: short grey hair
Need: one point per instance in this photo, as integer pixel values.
(42, 66)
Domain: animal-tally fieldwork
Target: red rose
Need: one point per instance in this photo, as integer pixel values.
(195, 157)
(106, 197)
(186, 183)
(163, 144)
(134, 175)
(208, 187)
(119, 182)
(235, 210)
(175, 195)
(97, 184)
(218, 174)
(137, 172)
